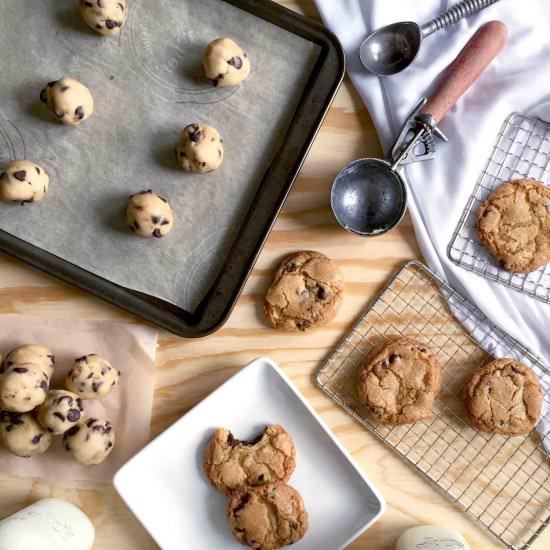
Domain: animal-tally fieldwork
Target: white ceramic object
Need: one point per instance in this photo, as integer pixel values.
(166, 488)
(431, 537)
(48, 524)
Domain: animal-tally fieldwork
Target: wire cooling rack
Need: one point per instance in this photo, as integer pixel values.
(522, 150)
(503, 482)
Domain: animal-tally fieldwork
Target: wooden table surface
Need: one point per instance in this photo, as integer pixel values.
(188, 370)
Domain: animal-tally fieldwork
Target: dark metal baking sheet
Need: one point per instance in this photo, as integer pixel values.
(272, 190)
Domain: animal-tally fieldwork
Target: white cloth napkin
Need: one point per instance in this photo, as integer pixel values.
(517, 80)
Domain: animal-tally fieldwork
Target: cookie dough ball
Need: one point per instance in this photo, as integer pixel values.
(225, 63)
(504, 396)
(31, 353)
(306, 292)
(23, 435)
(91, 377)
(23, 181)
(90, 441)
(60, 411)
(149, 215)
(200, 148)
(267, 517)
(230, 463)
(399, 381)
(68, 100)
(23, 387)
(106, 17)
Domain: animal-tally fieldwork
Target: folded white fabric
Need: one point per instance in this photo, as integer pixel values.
(438, 190)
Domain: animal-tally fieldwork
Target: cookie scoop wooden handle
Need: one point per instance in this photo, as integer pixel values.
(474, 58)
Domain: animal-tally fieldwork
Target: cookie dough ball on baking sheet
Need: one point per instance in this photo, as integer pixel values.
(22, 435)
(60, 411)
(225, 63)
(90, 441)
(23, 181)
(106, 17)
(23, 387)
(200, 148)
(69, 101)
(149, 215)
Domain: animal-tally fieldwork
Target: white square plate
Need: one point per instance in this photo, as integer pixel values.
(165, 486)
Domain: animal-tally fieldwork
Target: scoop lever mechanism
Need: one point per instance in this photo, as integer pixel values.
(416, 141)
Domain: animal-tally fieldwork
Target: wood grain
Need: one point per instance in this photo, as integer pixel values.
(188, 370)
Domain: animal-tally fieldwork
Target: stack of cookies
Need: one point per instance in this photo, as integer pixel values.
(399, 381)
(263, 511)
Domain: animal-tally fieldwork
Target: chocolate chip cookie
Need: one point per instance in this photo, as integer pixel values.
(504, 396)
(307, 291)
(267, 517)
(399, 381)
(514, 225)
(230, 463)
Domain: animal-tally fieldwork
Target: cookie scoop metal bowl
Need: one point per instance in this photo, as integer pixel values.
(369, 196)
(394, 47)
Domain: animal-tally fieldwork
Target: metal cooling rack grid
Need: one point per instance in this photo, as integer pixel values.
(522, 150)
(504, 483)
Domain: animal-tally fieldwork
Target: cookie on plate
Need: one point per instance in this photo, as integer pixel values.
(306, 292)
(504, 396)
(514, 225)
(399, 381)
(267, 517)
(230, 463)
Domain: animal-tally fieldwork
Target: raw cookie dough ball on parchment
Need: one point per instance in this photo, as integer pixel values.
(68, 100)
(225, 63)
(23, 181)
(106, 17)
(149, 215)
(90, 441)
(31, 353)
(91, 377)
(60, 411)
(200, 148)
(23, 387)
(22, 435)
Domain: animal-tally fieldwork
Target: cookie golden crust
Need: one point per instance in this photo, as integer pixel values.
(267, 517)
(505, 397)
(514, 225)
(399, 381)
(306, 292)
(230, 463)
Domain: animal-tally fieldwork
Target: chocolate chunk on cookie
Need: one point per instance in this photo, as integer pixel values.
(230, 463)
(514, 225)
(399, 381)
(504, 396)
(267, 517)
(306, 292)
